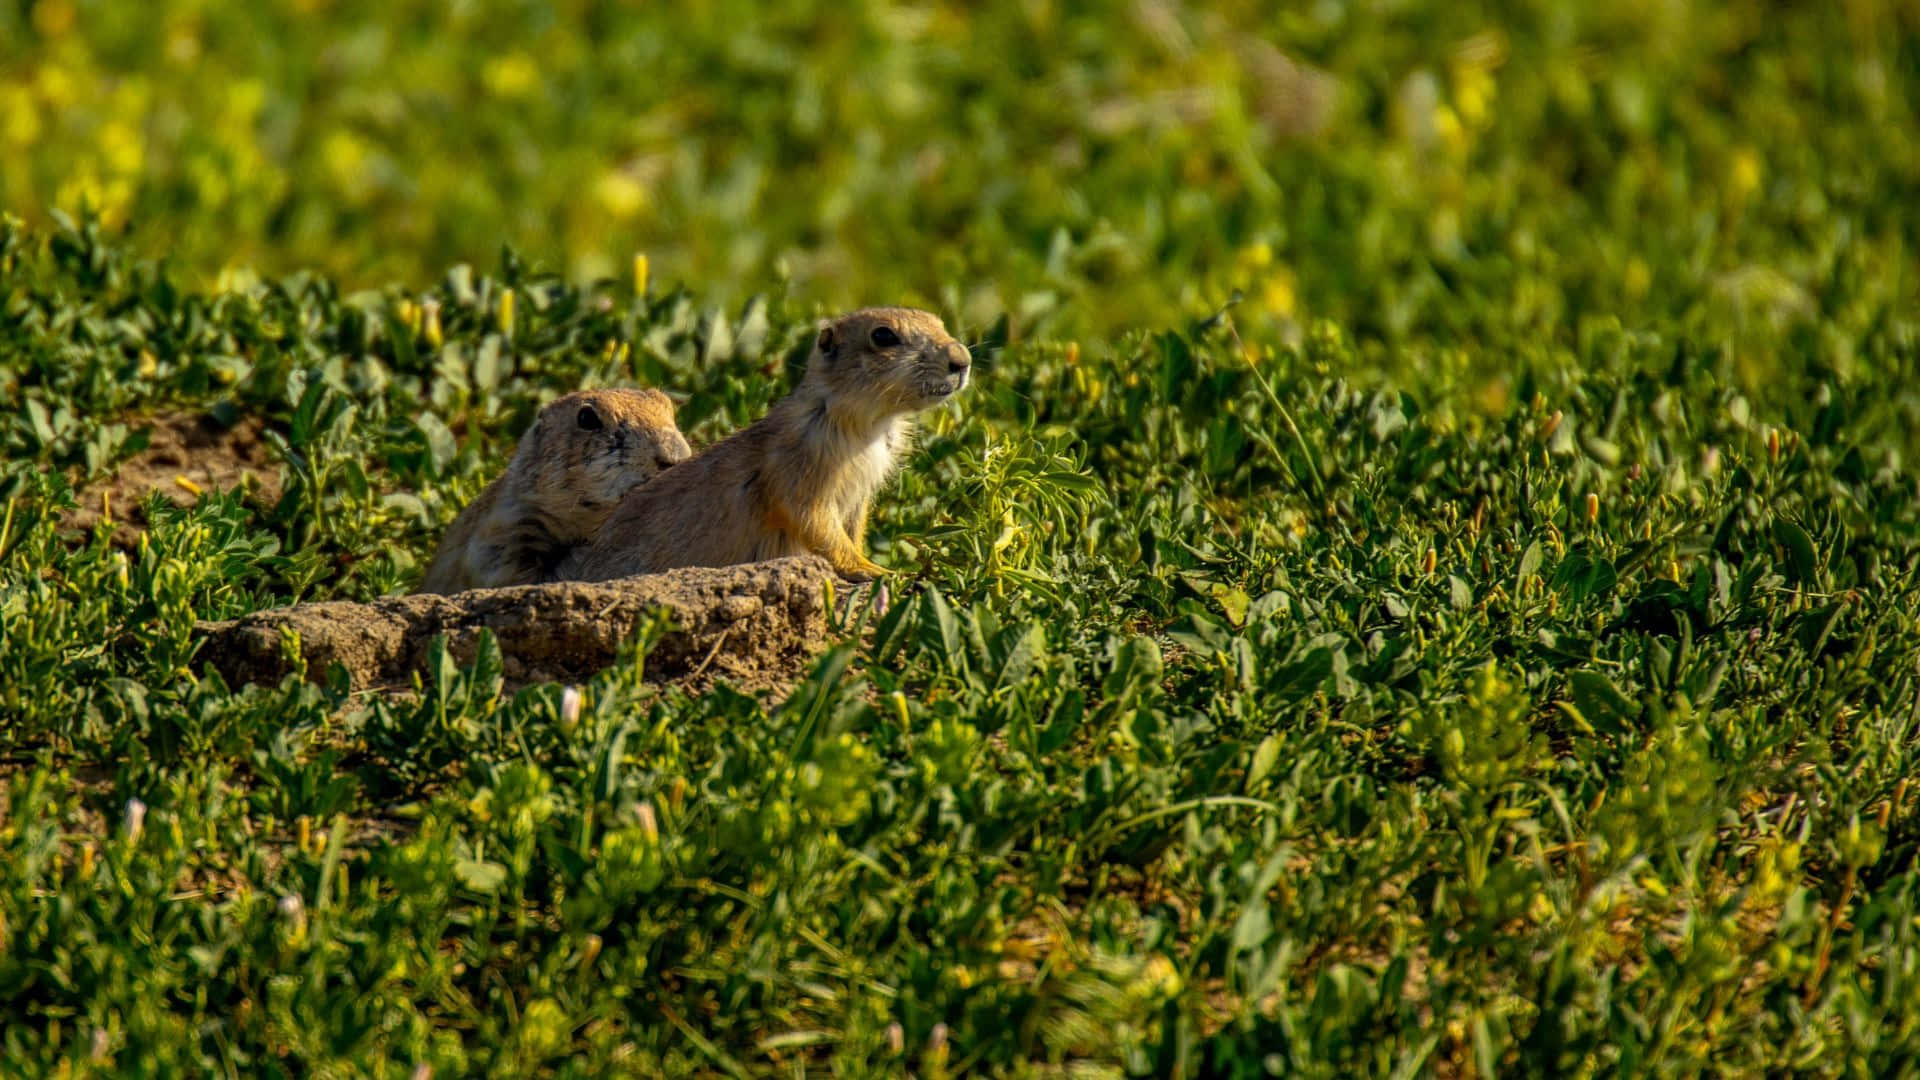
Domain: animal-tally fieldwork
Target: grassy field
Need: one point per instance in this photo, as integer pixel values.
(1427, 580)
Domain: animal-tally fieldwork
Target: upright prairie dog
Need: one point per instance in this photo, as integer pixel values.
(584, 452)
(799, 480)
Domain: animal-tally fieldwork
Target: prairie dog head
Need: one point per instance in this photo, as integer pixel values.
(894, 360)
(589, 448)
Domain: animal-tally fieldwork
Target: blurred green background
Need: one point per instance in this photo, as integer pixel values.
(1421, 172)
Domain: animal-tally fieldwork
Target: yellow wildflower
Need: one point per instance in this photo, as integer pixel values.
(511, 76)
(1277, 295)
(620, 195)
(1743, 174)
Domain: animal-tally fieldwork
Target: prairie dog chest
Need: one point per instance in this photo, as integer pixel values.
(866, 467)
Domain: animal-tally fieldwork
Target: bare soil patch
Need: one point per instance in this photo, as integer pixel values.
(193, 447)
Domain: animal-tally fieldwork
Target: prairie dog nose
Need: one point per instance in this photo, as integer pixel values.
(958, 359)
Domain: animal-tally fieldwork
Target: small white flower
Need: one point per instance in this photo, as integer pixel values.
(292, 907)
(881, 600)
(570, 706)
(136, 818)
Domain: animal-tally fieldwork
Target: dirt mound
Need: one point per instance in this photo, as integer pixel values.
(757, 625)
(195, 447)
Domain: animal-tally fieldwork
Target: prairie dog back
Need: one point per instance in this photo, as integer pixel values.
(802, 478)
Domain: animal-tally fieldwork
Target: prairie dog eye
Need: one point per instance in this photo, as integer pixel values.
(884, 337)
(589, 420)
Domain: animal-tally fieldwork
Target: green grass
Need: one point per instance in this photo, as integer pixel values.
(1397, 167)
(1490, 645)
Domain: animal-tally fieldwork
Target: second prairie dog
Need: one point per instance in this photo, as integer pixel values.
(584, 452)
(801, 479)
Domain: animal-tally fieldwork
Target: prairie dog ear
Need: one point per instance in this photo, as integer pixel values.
(588, 419)
(826, 342)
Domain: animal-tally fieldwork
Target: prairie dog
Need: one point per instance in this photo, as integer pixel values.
(802, 478)
(584, 451)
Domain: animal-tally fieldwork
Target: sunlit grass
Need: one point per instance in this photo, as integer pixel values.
(1424, 582)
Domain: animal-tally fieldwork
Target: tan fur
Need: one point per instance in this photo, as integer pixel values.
(802, 478)
(566, 476)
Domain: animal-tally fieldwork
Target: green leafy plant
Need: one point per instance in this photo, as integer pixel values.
(1424, 581)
